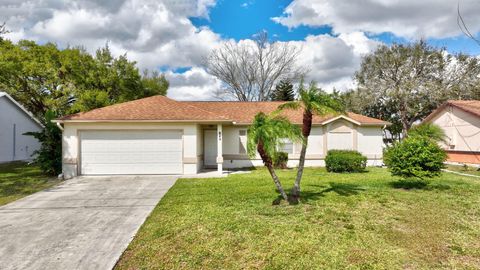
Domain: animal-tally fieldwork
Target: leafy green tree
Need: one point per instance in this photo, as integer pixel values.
(283, 91)
(44, 77)
(404, 83)
(154, 83)
(49, 156)
(264, 136)
(313, 101)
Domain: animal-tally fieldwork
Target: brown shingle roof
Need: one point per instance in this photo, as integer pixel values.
(151, 108)
(471, 106)
(161, 108)
(244, 112)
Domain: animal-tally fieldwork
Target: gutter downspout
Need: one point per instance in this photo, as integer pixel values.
(59, 126)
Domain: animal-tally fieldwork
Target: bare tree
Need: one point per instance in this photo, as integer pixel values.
(3, 30)
(250, 70)
(463, 26)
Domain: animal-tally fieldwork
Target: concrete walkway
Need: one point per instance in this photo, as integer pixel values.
(84, 223)
(459, 173)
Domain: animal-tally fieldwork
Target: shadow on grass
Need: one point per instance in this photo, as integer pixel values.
(411, 184)
(342, 189)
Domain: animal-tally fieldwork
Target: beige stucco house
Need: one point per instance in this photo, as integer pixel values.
(158, 135)
(460, 119)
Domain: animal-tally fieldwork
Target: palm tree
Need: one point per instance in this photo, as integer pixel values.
(313, 101)
(430, 131)
(265, 135)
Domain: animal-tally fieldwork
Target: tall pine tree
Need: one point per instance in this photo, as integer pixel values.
(283, 91)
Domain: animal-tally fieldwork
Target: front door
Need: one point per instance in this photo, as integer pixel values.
(210, 148)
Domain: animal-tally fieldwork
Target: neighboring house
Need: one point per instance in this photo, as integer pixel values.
(460, 119)
(158, 135)
(14, 122)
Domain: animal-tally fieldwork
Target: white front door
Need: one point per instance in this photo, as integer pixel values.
(131, 152)
(210, 148)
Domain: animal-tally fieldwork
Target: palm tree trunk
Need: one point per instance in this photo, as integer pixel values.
(269, 164)
(301, 165)
(306, 129)
(276, 180)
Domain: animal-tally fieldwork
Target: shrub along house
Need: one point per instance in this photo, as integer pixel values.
(158, 135)
(460, 119)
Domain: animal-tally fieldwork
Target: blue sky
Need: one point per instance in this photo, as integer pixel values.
(241, 19)
(175, 36)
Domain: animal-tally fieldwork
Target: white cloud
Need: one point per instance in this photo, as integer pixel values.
(194, 84)
(154, 33)
(406, 18)
(332, 61)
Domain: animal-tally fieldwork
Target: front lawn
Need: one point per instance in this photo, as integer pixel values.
(19, 179)
(354, 221)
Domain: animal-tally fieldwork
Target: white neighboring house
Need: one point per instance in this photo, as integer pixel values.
(15, 120)
(158, 135)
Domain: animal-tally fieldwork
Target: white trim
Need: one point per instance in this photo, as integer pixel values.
(4, 94)
(341, 116)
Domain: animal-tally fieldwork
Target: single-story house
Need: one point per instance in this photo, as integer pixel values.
(158, 135)
(460, 119)
(15, 120)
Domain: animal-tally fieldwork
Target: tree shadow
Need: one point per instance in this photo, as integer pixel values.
(341, 189)
(412, 184)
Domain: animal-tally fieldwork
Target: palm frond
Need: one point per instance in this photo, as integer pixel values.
(428, 130)
(270, 130)
(291, 105)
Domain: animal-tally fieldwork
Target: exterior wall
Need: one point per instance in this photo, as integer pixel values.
(366, 139)
(18, 147)
(199, 148)
(370, 142)
(463, 157)
(70, 142)
(463, 132)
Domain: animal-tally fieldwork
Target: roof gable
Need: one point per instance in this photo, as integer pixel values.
(470, 106)
(18, 105)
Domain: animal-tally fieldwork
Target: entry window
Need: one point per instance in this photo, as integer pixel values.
(286, 146)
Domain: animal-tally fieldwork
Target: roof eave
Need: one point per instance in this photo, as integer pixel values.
(135, 120)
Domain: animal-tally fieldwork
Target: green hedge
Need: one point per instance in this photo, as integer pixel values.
(419, 157)
(345, 161)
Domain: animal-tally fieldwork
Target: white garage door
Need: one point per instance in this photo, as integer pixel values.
(131, 152)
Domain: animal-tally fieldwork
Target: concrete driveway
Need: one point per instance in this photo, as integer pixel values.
(84, 223)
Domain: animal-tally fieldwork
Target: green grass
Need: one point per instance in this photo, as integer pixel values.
(464, 169)
(345, 221)
(18, 179)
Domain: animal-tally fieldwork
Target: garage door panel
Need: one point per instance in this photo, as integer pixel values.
(129, 157)
(131, 152)
(152, 168)
(126, 146)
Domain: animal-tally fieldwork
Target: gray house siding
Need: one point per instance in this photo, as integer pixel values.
(14, 122)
